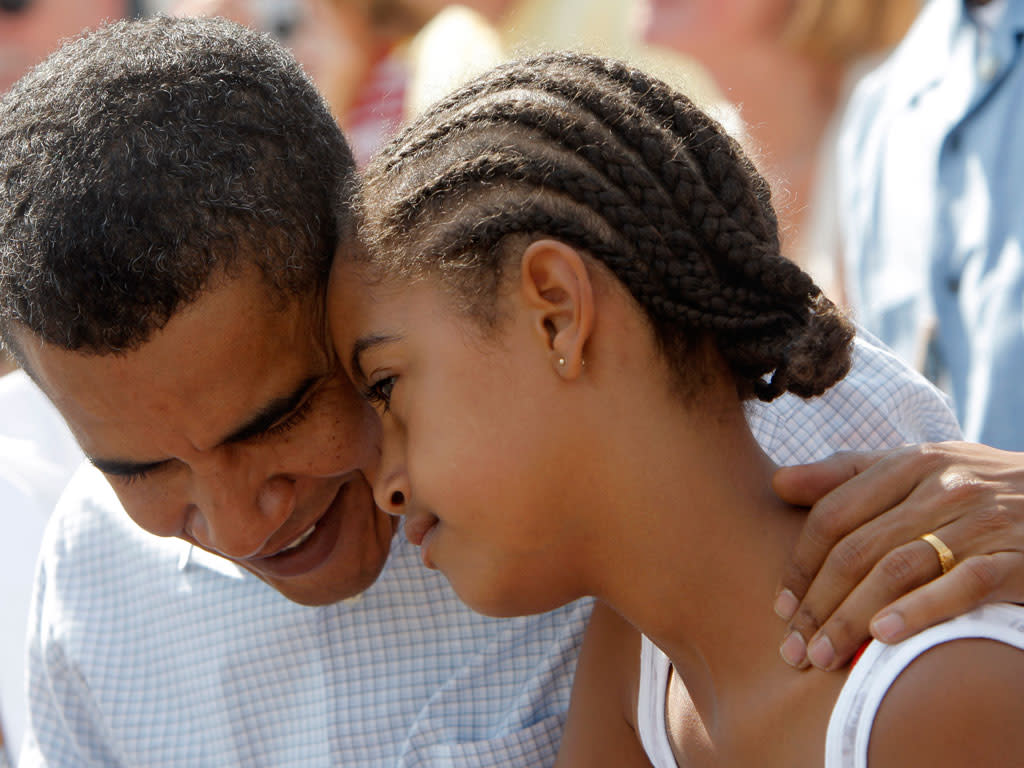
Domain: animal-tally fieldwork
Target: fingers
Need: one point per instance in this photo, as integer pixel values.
(861, 546)
(875, 483)
(883, 573)
(975, 581)
(842, 633)
(804, 484)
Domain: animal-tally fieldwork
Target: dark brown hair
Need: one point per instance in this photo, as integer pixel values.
(619, 165)
(141, 159)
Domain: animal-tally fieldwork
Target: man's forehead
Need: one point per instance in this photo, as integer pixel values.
(212, 368)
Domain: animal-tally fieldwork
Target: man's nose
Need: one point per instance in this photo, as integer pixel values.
(235, 508)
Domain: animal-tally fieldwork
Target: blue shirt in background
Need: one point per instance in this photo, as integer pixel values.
(931, 175)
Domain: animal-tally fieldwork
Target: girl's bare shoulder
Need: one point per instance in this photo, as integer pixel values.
(959, 703)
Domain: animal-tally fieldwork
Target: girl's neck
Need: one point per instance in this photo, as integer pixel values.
(697, 551)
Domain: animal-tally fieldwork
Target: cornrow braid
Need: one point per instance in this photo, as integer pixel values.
(616, 163)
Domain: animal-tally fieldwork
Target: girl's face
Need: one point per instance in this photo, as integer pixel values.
(474, 440)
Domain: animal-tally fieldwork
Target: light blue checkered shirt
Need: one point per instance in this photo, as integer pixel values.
(147, 652)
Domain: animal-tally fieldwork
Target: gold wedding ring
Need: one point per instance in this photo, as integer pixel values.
(946, 558)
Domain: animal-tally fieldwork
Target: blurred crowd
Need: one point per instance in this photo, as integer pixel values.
(778, 73)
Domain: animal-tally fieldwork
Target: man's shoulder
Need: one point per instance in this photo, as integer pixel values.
(880, 403)
(89, 523)
(96, 565)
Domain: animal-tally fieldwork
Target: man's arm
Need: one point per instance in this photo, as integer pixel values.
(859, 561)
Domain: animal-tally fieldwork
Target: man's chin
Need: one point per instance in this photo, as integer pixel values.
(355, 563)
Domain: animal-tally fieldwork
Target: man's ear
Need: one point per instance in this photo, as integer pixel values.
(556, 287)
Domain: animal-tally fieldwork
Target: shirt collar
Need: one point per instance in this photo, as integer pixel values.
(1013, 20)
(923, 57)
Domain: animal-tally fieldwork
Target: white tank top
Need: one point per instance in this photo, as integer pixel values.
(849, 726)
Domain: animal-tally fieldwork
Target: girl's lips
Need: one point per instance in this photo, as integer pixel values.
(417, 527)
(425, 547)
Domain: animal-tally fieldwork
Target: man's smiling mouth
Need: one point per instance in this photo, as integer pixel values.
(299, 541)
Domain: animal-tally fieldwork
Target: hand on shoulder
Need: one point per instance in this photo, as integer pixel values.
(859, 558)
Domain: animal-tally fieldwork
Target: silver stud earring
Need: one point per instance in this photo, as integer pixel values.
(561, 361)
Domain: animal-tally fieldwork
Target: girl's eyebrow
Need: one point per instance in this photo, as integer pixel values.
(362, 344)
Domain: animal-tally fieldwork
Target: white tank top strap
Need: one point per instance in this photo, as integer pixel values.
(849, 727)
(650, 706)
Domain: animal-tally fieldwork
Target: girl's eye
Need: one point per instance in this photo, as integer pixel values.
(379, 393)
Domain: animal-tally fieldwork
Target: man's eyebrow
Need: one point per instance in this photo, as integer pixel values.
(272, 413)
(362, 344)
(268, 416)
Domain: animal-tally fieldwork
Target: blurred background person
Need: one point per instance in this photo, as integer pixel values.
(354, 50)
(776, 72)
(465, 38)
(37, 452)
(31, 29)
(931, 166)
(789, 66)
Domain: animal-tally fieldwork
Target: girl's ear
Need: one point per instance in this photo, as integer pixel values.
(557, 289)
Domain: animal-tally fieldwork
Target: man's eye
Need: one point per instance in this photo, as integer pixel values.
(379, 393)
(134, 477)
(130, 476)
(292, 419)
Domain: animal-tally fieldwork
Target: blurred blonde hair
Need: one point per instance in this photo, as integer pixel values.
(839, 32)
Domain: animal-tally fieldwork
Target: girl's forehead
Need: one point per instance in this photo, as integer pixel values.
(359, 299)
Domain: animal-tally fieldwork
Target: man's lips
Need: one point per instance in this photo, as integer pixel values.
(299, 532)
(311, 546)
(299, 540)
(295, 543)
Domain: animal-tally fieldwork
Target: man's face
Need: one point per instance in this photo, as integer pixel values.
(234, 428)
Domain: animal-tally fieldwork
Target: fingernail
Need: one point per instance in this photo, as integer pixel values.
(785, 605)
(820, 652)
(888, 628)
(793, 649)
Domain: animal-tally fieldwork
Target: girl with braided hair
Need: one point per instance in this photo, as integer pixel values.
(571, 292)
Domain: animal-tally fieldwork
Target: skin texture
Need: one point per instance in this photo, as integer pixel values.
(979, 692)
(859, 560)
(231, 429)
(530, 478)
(452, 390)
